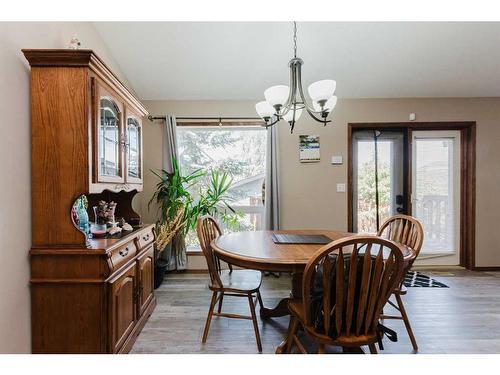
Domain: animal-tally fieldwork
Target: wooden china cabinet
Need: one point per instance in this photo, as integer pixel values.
(87, 295)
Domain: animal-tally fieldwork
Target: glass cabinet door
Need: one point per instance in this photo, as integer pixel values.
(133, 151)
(109, 139)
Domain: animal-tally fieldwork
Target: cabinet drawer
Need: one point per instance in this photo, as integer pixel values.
(123, 254)
(146, 238)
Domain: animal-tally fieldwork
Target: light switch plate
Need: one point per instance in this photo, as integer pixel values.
(340, 188)
(337, 159)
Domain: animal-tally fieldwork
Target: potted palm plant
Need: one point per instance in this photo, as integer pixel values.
(171, 196)
(181, 200)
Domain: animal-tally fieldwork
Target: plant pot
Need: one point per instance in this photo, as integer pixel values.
(160, 269)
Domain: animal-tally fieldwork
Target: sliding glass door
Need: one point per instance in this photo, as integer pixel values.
(378, 178)
(421, 169)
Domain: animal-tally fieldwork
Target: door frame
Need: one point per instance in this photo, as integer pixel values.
(467, 247)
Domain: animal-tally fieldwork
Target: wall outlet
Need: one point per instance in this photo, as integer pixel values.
(337, 159)
(340, 188)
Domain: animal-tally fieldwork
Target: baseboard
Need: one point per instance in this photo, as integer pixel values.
(423, 267)
(195, 253)
(189, 271)
(484, 269)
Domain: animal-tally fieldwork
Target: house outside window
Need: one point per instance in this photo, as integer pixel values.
(238, 150)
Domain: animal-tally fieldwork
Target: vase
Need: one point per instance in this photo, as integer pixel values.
(97, 228)
(83, 216)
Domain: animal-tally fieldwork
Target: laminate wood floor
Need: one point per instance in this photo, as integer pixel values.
(464, 318)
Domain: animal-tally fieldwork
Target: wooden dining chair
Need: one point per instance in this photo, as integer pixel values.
(234, 283)
(408, 231)
(345, 286)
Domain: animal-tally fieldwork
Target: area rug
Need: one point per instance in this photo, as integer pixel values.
(419, 280)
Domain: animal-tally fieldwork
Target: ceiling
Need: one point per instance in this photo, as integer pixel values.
(239, 60)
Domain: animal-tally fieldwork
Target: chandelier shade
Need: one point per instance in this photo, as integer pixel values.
(322, 90)
(277, 96)
(264, 109)
(288, 102)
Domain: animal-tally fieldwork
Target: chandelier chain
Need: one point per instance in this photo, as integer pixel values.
(294, 39)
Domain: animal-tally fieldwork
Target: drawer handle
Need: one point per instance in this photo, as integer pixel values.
(145, 237)
(124, 252)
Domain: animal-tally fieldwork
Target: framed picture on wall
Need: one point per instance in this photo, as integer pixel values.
(309, 148)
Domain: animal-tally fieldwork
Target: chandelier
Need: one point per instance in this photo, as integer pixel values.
(287, 102)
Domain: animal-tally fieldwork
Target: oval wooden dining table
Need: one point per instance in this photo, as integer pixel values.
(256, 250)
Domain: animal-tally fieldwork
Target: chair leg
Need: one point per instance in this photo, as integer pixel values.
(373, 349)
(254, 320)
(286, 345)
(407, 322)
(292, 331)
(299, 345)
(321, 349)
(219, 309)
(352, 350)
(209, 316)
(380, 342)
(260, 299)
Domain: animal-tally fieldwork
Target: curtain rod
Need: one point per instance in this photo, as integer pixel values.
(151, 118)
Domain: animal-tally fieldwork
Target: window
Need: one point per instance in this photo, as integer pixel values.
(238, 150)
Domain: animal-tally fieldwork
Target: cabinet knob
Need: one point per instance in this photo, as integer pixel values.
(123, 252)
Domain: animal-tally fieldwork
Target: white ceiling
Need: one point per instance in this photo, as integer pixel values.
(239, 60)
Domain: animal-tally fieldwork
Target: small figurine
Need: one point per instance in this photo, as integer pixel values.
(74, 43)
(127, 227)
(114, 230)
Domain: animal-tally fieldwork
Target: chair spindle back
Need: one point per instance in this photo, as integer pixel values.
(208, 230)
(405, 230)
(355, 286)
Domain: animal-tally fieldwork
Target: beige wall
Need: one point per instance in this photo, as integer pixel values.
(309, 197)
(15, 156)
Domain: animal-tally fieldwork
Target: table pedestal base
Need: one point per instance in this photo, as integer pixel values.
(281, 308)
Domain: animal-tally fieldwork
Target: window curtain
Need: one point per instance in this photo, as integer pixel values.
(175, 252)
(272, 194)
